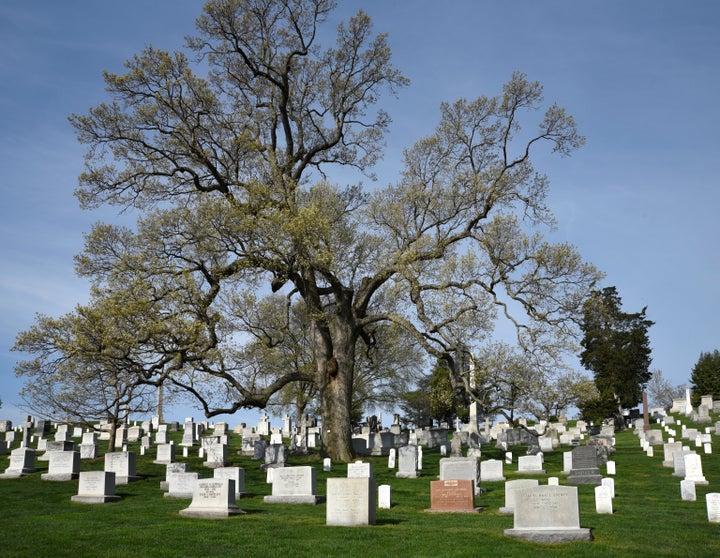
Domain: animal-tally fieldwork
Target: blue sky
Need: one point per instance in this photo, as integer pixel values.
(639, 200)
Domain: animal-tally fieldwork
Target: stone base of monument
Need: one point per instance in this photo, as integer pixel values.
(94, 499)
(294, 499)
(584, 476)
(551, 536)
(408, 475)
(126, 480)
(59, 476)
(211, 513)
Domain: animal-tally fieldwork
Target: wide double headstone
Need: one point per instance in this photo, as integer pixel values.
(181, 485)
(294, 485)
(548, 514)
(350, 501)
(452, 496)
(359, 469)
(172, 468)
(584, 466)
(96, 487)
(62, 466)
(531, 464)
(492, 470)
(212, 499)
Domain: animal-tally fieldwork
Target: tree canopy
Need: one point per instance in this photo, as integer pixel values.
(616, 349)
(705, 377)
(227, 156)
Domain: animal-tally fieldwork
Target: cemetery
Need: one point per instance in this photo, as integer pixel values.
(601, 495)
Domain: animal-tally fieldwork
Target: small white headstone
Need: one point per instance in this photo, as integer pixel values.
(610, 467)
(687, 490)
(391, 458)
(712, 500)
(508, 457)
(609, 483)
(553, 481)
(384, 492)
(603, 500)
(327, 464)
(707, 448)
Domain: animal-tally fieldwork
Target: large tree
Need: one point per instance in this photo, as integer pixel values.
(230, 174)
(616, 349)
(705, 377)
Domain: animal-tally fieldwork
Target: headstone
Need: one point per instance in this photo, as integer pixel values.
(463, 468)
(452, 496)
(693, 468)
(96, 487)
(189, 433)
(212, 499)
(603, 500)
(350, 501)
(122, 463)
(668, 450)
(180, 485)
(567, 463)
(327, 464)
(584, 466)
(54, 445)
(384, 492)
(22, 462)
(553, 481)
(610, 467)
(511, 489)
(62, 466)
(492, 471)
(170, 469)
(165, 454)
(548, 514)
(609, 483)
(359, 469)
(236, 474)
(407, 462)
(712, 501)
(679, 462)
(294, 485)
(161, 436)
(216, 456)
(392, 458)
(687, 490)
(530, 464)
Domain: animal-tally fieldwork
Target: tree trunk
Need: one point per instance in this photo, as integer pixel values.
(335, 359)
(335, 398)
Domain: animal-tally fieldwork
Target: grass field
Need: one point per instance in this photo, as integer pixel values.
(650, 519)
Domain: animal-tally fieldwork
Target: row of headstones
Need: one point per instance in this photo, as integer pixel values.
(686, 463)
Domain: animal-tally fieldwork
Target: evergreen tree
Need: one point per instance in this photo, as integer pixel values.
(705, 378)
(616, 349)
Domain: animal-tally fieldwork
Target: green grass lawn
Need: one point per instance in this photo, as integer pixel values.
(39, 520)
